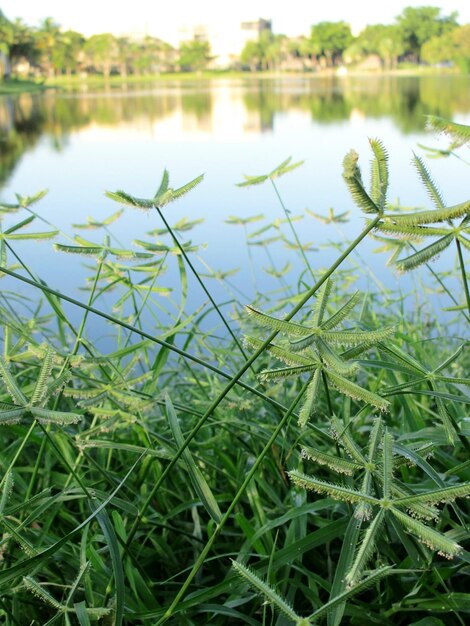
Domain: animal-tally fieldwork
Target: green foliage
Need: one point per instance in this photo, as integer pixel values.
(311, 351)
(330, 39)
(177, 457)
(419, 24)
(194, 55)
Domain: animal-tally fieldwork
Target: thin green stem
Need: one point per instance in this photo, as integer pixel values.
(240, 373)
(227, 514)
(23, 443)
(45, 288)
(464, 274)
(294, 232)
(201, 282)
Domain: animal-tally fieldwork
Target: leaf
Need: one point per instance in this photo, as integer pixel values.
(197, 479)
(26, 565)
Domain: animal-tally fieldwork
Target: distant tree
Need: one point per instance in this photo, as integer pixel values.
(419, 24)
(330, 39)
(451, 47)
(252, 55)
(6, 41)
(384, 40)
(47, 38)
(461, 40)
(102, 52)
(266, 52)
(68, 55)
(194, 55)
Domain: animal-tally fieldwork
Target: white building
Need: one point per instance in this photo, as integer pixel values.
(226, 40)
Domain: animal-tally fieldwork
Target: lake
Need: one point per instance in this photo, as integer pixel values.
(79, 144)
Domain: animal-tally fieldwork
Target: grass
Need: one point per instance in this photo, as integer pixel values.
(19, 85)
(13, 86)
(317, 472)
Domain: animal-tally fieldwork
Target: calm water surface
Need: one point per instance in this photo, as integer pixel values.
(79, 144)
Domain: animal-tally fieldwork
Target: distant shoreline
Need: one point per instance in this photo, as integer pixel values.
(18, 85)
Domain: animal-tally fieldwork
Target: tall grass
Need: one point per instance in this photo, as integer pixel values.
(303, 458)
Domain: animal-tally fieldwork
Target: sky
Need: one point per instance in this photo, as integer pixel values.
(163, 19)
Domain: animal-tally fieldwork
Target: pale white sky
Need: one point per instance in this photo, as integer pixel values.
(163, 19)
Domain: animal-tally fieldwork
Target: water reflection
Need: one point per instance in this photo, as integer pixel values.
(224, 108)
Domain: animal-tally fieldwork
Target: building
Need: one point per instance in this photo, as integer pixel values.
(226, 40)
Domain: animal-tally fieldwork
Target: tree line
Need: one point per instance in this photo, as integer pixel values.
(418, 35)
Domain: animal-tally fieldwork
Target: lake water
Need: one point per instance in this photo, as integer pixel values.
(78, 144)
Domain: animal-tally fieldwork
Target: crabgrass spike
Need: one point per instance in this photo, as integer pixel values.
(284, 372)
(32, 585)
(6, 491)
(311, 395)
(356, 392)
(361, 586)
(365, 549)
(374, 438)
(430, 537)
(290, 328)
(429, 217)
(287, 356)
(424, 255)
(124, 198)
(47, 416)
(428, 182)
(342, 313)
(345, 440)
(40, 390)
(458, 132)
(337, 492)
(335, 463)
(164, 184)
(355, 337)
(10, 383)
(321, 302)
(353, 178)
(447, 494)
(411, 232)
(11, 416)
(379, 185)
(265, 590)
(387, 462)
(334, 361)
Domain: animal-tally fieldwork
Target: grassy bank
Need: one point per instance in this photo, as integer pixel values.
(15, 86)
(74, 82)
(304, 457)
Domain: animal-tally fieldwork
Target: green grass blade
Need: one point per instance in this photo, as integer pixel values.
(197, 479)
